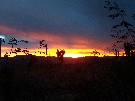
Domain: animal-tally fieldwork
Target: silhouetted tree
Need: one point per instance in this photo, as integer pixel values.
(60, 54)
(128, 48)
(116, 52)
(42, 44)
(13, 41)
(126, 38)
(95, 52)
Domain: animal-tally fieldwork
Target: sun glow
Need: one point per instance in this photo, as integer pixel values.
(74, 53)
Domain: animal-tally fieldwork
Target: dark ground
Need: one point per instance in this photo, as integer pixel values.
(91, 79)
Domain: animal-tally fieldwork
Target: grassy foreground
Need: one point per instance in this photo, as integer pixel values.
(96, 80)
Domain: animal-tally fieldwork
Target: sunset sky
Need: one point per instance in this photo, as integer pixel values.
(77, 26)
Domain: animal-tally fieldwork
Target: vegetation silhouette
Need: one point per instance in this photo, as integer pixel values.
(124, 36)
(116, 53)
(32, 58)
(42, 44)
(13, 41)
(60, 55)
(95, 52)
(128, 49)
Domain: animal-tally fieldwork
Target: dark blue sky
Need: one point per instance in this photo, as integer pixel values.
(62, 23)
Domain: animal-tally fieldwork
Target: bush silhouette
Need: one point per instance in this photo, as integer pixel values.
(60, 54)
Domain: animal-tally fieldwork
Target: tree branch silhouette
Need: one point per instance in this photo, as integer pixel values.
(121, 38)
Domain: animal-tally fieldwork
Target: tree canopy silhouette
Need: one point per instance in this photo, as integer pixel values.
(124, 36)
(60, 54)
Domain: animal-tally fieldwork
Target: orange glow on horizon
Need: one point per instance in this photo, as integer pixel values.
(72, 50)
(74, 53)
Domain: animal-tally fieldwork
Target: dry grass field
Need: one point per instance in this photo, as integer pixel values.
(96, 79)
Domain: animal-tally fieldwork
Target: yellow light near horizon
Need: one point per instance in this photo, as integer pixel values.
(74, 53)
